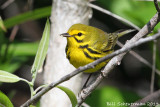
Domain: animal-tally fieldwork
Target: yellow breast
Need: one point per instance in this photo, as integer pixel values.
(77, 57)
(80, 55)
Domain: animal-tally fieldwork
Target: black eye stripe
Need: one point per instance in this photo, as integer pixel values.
(79, 41)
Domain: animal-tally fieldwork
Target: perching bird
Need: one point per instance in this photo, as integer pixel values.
(86, 44)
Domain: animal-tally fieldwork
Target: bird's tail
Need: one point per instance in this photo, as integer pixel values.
(124, 32)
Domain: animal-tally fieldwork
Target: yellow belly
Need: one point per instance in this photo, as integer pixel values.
(77, 58)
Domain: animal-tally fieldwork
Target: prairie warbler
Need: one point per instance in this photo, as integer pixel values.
(86, 44)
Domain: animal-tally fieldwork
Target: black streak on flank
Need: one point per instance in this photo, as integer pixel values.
(108, 50)
(88, 56)
(84, 46)
(92, 51)
(89, 49)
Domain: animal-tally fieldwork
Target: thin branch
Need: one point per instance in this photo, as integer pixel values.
(117, 59)
(11, 39)
(150, 97)
(92, 0)
(141, 59)
(113, 15)
(30, 4)
(6, 4)
(13, 33)
(157, 6)
(91, 65)
(153, 67)
(85, 105)
(154, 55)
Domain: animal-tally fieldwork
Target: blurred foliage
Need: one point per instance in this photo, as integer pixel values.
(5, 101)
(31, 15)
(111, 97)
(138, 12)
(13, 55)
(70, 94)
(2, 25)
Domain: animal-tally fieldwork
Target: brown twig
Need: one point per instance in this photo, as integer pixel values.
(11, 38)
(13, 33)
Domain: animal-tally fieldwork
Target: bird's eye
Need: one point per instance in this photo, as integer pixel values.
(79, 34)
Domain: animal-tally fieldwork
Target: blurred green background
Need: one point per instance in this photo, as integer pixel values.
(125, 84)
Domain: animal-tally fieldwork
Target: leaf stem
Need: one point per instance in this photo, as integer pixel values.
(40, 87)
(30, 86)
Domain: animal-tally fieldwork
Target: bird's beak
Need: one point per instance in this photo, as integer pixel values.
(65, 35)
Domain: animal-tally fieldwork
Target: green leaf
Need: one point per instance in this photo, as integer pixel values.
(2, 25)
(13, 64)
(132, 10)
(158, 105)
(18, 53)
(8, 77)
(5, 101)
(70, 94)
(32, 15)
(42, 49)
(23, 49)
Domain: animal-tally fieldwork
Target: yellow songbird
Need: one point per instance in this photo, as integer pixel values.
(86, 44)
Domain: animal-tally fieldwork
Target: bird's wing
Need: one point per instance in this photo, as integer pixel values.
(105, 42)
